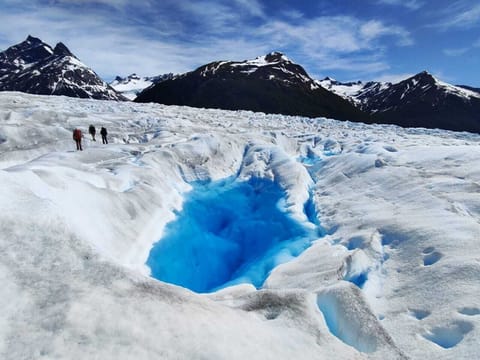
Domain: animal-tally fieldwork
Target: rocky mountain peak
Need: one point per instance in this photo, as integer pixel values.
(30, 50)
(32, 66)
(275, 57)
(61, 50)
(33, 40)
(424, 77)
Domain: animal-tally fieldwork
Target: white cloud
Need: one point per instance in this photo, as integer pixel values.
(292, 14)
(252, 6)
(375, 29)
(341, 34)
(468, 17)
(393, 78)
(200, 32)
(113, 3)
(463, 50)
(411, 4)
(460, 14)
(455, 52)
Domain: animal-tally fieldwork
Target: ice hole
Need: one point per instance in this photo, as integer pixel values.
(432, 258)
(449, 336)
(470, 311)
(358, 279)
(228, 233)
(420, 314)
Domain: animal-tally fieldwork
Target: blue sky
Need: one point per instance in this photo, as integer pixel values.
(344, 39)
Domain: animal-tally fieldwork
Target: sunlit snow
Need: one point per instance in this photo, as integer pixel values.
(274, 237)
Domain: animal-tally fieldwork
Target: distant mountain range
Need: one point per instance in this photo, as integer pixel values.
(36, 68)
(274, 84)
(271, 83)
(419, 101)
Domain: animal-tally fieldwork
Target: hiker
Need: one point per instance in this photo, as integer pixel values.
(77, 136)
(103, 132)
(92, 131)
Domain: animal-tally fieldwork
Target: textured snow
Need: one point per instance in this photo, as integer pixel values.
(457, 90)
(356, 92)
(261, 61)
(344, 90)
(74, 63)
(49, 49)
(392, 272)
(131, 86)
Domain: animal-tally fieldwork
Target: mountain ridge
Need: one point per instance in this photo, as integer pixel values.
(418, 101)
(33, 66)
(271, 83)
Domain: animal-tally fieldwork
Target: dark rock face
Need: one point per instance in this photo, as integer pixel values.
(423, 101)
(419, 101)
(270, 84)
(34, 67)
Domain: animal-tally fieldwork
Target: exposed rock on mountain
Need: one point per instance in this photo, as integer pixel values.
(419, 101)
(270, 84)
(34, 67)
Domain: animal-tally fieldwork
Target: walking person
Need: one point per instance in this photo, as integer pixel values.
(77, 136)
(103, 132)
(92, 131)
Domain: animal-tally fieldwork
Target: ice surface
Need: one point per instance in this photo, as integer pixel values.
(349, 319)
(390, 218)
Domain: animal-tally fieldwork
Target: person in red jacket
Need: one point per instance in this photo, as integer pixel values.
(77, 136)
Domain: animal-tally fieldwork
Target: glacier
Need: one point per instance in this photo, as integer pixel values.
(273, 237)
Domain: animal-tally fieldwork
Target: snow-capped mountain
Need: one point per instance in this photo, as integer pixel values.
(419, 101)
(356, 92)
(133, 84)
(271, 83)
(34, 67)
(346, 90)
(424, 101)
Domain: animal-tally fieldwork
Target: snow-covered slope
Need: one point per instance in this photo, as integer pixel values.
(346, 90)
(357, 92)
(392, 217)
(271, 66)
(133, 84)
(34, 67)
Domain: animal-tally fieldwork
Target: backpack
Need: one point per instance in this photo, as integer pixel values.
(77, 134)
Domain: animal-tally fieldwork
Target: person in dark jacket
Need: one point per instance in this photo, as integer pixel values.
(77, 136)
(92, 131)
(103, 132)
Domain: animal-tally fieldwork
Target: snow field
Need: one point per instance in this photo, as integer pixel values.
(391, 264)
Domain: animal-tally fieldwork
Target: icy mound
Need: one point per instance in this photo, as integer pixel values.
(389, 219)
